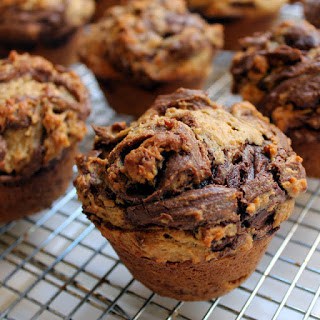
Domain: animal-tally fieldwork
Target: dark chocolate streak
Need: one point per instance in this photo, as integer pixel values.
(234, 184)
(218, 203)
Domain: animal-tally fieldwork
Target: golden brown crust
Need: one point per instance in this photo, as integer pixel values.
(28, 21)
(150, 42)
(186, 280)
(43, 108)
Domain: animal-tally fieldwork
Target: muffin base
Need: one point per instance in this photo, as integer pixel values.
(62, 52)
(128, 98)
(235, 29)
(25, 197)
(186, 280)
(310, 153)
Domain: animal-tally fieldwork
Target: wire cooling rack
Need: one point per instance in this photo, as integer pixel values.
(56, 265)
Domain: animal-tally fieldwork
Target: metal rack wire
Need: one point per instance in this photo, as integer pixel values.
(55, 265)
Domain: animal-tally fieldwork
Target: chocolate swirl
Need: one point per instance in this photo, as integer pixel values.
(189, 163)
(279, 71)
(43, 108)
(151, 41)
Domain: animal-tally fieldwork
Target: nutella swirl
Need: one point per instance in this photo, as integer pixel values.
(191, 165)
(42, 112)
(279, 71)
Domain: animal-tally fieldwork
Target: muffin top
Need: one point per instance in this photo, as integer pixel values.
(42, 113)
(188, 163)
(150, 41)
(42, 19)
(235, 8)
(284, 67)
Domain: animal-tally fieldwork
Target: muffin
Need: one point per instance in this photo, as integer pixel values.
(145, 48)
(240, 17)
(279, 71)
(190, 194)
(42, 113)
(29, 24)
(31, 21)
(312, 11)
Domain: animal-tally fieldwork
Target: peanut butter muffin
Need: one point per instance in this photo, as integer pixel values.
(146, 47)
(239, 17)
(42, 113)
(279, 71)
(49, 28)
(312, 11)
(30, 21)
(190, 194)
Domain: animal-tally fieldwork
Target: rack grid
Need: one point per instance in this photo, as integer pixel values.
(56, 265)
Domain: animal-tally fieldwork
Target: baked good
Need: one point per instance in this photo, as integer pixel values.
(312, 11)
(190, 194)
(279, 71)
(145, 48)
(239, 17)
(31, 21)
(43, 27)
(42, 113)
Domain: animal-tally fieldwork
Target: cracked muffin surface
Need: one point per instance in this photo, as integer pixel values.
(201, 181)
(279, 72)
(190, 194)
(150, 42)
(27, 21)
(42, 113)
